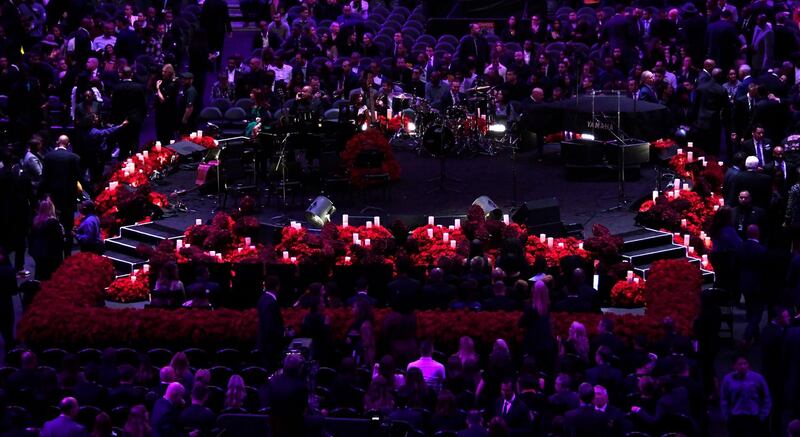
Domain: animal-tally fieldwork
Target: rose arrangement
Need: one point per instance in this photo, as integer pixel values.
(133, 288)
(202, 140)
(628, 293)
(663, 143)
(369, 140)
(435, 242)
(552, 249)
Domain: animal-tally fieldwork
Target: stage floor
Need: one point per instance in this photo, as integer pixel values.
(582, 198)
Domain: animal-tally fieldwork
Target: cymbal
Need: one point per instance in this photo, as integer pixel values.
(402, 96)
(479, 89)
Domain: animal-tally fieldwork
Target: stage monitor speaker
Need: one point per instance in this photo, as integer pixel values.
(538, 212)
(185, 148)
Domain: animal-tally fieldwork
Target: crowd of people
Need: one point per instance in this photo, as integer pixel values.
(727, 71)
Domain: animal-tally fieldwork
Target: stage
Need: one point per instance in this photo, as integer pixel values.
(583, 197)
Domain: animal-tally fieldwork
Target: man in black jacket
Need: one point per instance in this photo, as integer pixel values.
(757, 184)
(585, 420)
(270, 323)
(197, 416)
(61, 174)
(722, 40)
(215, 19)
(287, 397)
(752, 270)
(511, 408)
(711, 100)
(165, 419)
(128, 102)
(474, 45)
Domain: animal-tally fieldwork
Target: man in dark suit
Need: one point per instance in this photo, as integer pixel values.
(128, 43)
(744, 107)
(61, 173)
(510, 407)
(128, 102)
(197, 416)
(712, 99)
(474, 45)
(264, 38)
(564, 399)
(287, 397)
(780, 171)
(436, 294)
(620, 32)
(64, 424)
(722, 41)
(362, 293)
(585, 420)
(745, 214)
(403, 291)
(787, 37)
(759, 146)
(474, 426)
(270, 322)
(752, 268)
(617, 421)
(757, 184)
(453, 97)
(215, 19)
(165, 419)
(647, 92)
(603, 373)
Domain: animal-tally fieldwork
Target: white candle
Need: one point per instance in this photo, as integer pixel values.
(690, 145)
(293, 260)
(580, 245)
(458, 223)
(676, 193)
(721, 201)
(542, 238)
(596, 282)
(560, 245)
(506, 219)
(452, 244)
(705, 260)
(345, 220)
(171, 142)
(430, 233)
(146, 268)
(685, 187)
(683, 223)
(430, 220)
(285, 254)
(346, 259)
(199, 133)
(133, 278)
(691, 250)
(126, 173)
(686, 239)
(689, 156)
(655, 195)
(479, 112)
(292, 223)
(355, 237)
(389, 113)
(707, 242)
(705, 163)
(549, 241)
(193, 135)
(198, 222)
(252, 248)
(146, 154)
(720, 163)
(187, 245)
(676, 184)
(158, 146)
(629, 275)
(113, 185)
(451, 228)
(213, 253)
(445, 237)
(239, 249)
(247, 241)
(376, 220)
(369, 224)
(636, 280)
(367, 242)
(716, 207)
(680, 151)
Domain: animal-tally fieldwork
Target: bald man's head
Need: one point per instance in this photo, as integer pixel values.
(63, 141)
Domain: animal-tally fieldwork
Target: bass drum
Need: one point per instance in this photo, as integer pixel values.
(438, 140)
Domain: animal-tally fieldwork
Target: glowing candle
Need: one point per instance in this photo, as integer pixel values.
(367, 242)
(146, 268)
(452, 244)
(293, 260)
(550, 242)
(690, 144)
(376, 220)
(213, 253)
(676, 193)
(635, 280)
(199, 133)
(685, 187)
(239, 249)
(458, 223)
(430, 220)
(389, 114)
(146, 154)
(676, 183)
(430, 233)
(721, 201)
(451, 228)
(705, 260)
(445, 237)
(355, 238)
(720, 163)
(707, 242)
(347, 260)
(158, 146)
(655, 195)
(369, 224)
(580, 245)
(171, 142)
(629, 276)
(683, 223)
(247, 241)
(691, 250)
(198, 222)
(252, 248)
(285, 254)
(506, 219)
(689, 156)
(113, 185)
(686, 239)
(560, 245)
(193, 135)
(680, 151)
(345, 220)
(542, 238)
(133, 278)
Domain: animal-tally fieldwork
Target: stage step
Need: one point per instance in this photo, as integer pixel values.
(122, 250)
(643, 238)
(647, 255)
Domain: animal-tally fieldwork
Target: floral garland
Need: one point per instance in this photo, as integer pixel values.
(201, 140)
(371, 139)
(69, 312)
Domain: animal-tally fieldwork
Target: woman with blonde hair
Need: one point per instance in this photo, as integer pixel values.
(538, 341)
(47, 240)
(466, 350)
(236, 393)
(578, 341)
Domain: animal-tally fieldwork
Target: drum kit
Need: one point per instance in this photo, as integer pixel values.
(457, 130)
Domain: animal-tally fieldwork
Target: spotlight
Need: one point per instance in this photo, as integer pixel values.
(490, 209)
(497, 128)
(588, 137)
(411, 126)
(320, 211)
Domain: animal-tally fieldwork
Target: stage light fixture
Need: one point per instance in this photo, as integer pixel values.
(490, 209)
(320, 211)
(497, 128)
(587, 137)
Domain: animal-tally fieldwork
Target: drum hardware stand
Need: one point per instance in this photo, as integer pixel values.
(442, 178)
(281, 165)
